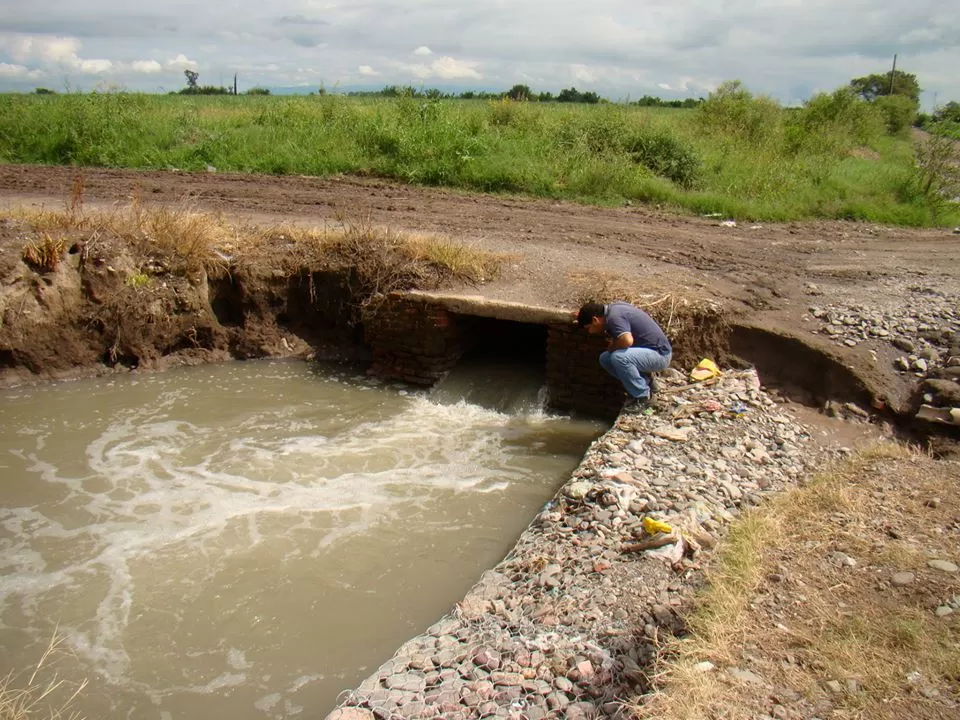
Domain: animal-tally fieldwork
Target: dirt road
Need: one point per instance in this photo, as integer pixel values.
(769, 273)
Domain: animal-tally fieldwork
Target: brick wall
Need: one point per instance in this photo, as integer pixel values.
(575, 380)
(413, 340)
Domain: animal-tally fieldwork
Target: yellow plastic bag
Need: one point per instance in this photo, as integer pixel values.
(652, 527)
(706, 370)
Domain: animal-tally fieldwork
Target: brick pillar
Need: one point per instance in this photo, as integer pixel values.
(575, 380)
(413, 340)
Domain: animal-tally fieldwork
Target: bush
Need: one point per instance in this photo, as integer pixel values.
(834, 122)
(732, 110)
(665, 155)
(899, 112)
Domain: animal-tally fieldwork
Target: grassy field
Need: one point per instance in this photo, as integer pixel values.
(736, 155)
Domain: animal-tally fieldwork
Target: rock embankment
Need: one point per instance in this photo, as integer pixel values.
(917, 330)
(568, 623)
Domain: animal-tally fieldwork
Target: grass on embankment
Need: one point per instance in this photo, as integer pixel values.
(736, 155)
(382, 260)
(822, 635)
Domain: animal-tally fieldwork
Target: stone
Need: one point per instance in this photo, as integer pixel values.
(905, 344)
(351, 714)
(745, 676)
(407, 682)
(578, 490)
(705, 666)
(834, 686)
(944, 610)
(902, 579)
(920, 365)
(944, 566)
(672, 433)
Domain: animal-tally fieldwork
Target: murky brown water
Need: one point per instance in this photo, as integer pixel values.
(248, 540)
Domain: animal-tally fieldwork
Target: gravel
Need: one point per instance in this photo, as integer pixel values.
(568, 621)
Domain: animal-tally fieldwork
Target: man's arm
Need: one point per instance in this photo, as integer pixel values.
(623, 340)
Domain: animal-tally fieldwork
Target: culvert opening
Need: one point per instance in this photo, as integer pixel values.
(503, 367)
(506, 341)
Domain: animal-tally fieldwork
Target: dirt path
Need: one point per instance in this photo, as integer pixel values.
(769, 273)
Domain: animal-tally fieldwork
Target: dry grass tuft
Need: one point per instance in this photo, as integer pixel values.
(840, 641)
(41, 694)
(44, 254)
(383, 260)
(175, 232)
(678, 315)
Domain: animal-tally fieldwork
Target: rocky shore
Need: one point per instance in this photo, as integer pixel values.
(568, 624)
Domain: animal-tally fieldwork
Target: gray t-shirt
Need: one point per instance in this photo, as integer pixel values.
(623, 317)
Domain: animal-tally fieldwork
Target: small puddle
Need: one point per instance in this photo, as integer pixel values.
(249, 539)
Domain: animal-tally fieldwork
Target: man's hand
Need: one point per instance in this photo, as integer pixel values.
(621, 341)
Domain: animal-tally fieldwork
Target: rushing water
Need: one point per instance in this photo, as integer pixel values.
(247, 540)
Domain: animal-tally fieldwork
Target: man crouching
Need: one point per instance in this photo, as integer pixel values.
(636, 347)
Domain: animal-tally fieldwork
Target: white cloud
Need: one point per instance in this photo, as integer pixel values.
(444, 68)
(367, 70)
(146, 66)
(13, 71)
(423, 50)
(180, 62)
(61, 51)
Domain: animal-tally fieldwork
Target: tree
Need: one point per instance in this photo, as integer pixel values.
(949, 112)
(871, 87)
(519, 92)
(192, 77)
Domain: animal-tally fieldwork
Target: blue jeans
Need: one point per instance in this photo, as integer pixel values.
(632, 366)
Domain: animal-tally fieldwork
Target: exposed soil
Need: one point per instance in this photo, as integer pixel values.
(766, 275)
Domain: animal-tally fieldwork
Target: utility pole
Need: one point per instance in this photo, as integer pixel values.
(893, 73)
(234, 83)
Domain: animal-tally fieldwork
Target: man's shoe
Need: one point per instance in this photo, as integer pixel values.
(636, 405)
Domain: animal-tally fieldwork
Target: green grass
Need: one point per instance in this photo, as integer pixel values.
(743, 157)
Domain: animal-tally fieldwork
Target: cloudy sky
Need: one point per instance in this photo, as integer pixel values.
(619, 48)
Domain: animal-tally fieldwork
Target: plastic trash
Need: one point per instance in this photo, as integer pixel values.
(652, 527)
(706, 370)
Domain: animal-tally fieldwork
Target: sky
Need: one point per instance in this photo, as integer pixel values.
(787, 49)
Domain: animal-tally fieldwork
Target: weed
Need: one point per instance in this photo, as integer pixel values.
(41, 694)
(937, 172)
(138, 280)
(44, 255)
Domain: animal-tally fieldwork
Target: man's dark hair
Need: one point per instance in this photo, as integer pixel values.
(588, 312)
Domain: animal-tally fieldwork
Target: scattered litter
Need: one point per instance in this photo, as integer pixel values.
(728, 223)
(652, 527)
(738, 409)
(950, 416)
(706, 370)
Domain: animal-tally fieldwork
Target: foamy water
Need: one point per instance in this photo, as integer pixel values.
(252, 538)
